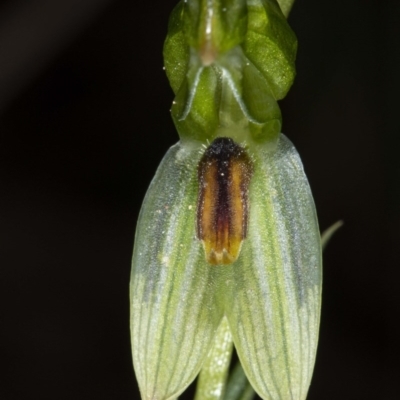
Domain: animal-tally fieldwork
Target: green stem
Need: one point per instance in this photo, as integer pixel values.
(213, 375)
(238, 387)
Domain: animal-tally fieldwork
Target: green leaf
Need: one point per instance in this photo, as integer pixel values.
(328, 233)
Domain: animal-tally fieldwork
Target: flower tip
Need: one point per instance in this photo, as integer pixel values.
(223, 256)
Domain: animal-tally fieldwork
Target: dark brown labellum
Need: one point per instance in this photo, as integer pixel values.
(224, 174)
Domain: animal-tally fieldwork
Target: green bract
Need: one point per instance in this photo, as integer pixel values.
(228, 63)
(270, 296)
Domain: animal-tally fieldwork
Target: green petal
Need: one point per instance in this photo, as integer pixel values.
(174, 309)
(273, 294)
(271, 45)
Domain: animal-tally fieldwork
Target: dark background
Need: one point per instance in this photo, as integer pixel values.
(84, 122)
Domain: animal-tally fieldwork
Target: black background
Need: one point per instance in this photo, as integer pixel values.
(84, 122)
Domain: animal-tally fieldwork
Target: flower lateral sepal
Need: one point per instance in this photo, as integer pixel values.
(273, 293)
(175, 310)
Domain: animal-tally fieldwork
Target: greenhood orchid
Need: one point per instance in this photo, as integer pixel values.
(227, 235)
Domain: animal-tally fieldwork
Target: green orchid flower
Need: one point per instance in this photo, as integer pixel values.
(227, 246)
(270, 295)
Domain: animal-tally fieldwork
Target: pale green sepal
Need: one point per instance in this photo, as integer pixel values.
(238, 387)
(273, 295)
(286, 6)
(214, 372)
(174, 307)
(328, 233)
